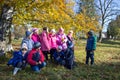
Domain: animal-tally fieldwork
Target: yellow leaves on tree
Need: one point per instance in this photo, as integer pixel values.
(51, 13)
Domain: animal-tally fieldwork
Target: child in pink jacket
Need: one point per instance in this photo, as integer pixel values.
(45, 42)
(53, 43)
(62, 39)
(35, 36)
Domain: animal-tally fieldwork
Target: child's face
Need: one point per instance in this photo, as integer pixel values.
(36, 32)
(88, 35)
(29, 37)
(24, 50)
(46, 30)
(38, 49)
(59, 50)
(53, 33)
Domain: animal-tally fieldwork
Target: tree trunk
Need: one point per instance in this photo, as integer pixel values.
(100, 36)
(9, 37)
(100, 32)
(5, 24)
(9, 45)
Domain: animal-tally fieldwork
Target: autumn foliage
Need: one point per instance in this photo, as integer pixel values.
(51, 13)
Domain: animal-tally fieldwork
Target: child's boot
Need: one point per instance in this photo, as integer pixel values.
(15, 70)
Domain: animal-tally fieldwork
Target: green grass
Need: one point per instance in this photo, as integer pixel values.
(107, 65)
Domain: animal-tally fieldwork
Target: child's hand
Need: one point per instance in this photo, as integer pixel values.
(63, 40)
(39, 62)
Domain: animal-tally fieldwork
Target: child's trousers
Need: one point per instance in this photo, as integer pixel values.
(90, 54)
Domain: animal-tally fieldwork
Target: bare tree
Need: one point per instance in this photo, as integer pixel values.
(106, 9)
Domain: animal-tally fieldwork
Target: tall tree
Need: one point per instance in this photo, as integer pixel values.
(105, 9)
(5, 24)
(51, 13)
(8, 9)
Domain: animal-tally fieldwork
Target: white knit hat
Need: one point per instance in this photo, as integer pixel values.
(71, 31)
(60, 47)
(24, 46)
(53, 30)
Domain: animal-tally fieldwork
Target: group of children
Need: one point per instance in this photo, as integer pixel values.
(36, 47)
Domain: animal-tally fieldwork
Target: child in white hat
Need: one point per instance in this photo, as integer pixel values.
(18, 61)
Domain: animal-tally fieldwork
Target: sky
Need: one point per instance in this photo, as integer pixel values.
(117, 2)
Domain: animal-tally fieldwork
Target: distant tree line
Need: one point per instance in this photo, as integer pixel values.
(113, 31)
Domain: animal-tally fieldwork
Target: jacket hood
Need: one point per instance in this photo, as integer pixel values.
(91, 33)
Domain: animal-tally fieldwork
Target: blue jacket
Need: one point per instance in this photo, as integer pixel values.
(91, 43)
(17, 57)
(59, 55)
(29, 43)
(70, 43)
(69, 59)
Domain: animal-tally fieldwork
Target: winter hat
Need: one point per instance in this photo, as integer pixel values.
(37, 45)
(28, 33)
(61, 30)
(34, 30)
(71, 31)
(24, 46)
(91, 33)
(60, 47)
(53, 30)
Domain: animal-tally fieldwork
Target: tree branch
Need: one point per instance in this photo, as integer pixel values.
(108, 4)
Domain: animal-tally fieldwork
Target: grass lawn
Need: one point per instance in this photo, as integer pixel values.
(107, 65)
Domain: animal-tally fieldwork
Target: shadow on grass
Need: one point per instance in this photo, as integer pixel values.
(111, 42)
(111, 46)
(102, 71)
(108, 43)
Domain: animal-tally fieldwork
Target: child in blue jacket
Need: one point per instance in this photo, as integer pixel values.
(69, 55)
(18, 60)
(59, 56)
(90, 47)
(27, 39)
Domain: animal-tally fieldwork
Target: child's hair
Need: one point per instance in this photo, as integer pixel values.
(45, 28)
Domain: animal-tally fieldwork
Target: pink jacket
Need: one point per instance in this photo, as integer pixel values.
(53, 41)
(62, 41)
(35, 37)
(44, 40)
